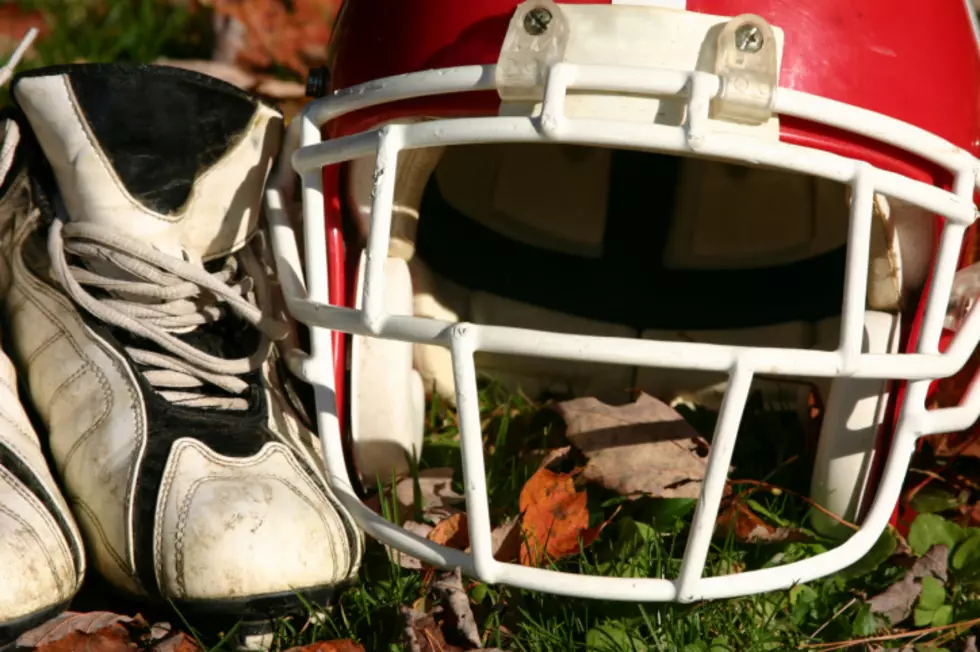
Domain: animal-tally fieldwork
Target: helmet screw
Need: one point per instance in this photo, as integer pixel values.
(536, 21)
(748, 38)
(317, 82)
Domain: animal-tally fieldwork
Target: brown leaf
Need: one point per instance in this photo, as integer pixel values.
(70, 622)
(449, 590)
(897, 600)
(179, 642)
(435, 490)
(747, 527)
(423, 634)
(554, 517)
(405, 560)
(642, 448)
(506, 539)
(452, 532)
(114, 638)
(345, 645)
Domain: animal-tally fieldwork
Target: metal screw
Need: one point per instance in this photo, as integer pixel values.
(748, 38)
(536, 21)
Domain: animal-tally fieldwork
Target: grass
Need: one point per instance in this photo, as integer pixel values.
(646, 538)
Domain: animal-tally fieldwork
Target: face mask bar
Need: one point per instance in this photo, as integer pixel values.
(307, 299)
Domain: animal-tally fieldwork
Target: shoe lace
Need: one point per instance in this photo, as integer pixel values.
(11, 135)
(157, 297)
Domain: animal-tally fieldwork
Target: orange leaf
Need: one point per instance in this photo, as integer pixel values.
(452, 532)
(554, 517)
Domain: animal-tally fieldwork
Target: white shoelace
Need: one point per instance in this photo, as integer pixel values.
(11, 134)
(157, 297)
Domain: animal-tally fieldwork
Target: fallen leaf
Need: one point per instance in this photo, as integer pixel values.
(554, 518)
(449, 590)
(645, 447)
(71, 622)
(438, 499)
(179, 642)
(557, 455)
(452, 532)
(160, 631)
(345, 645)
(738, 519)
(896, 602)
(506, 539)
(293, 35)
(435, 489)
(114, 638)
(405, 560)
(423, 634)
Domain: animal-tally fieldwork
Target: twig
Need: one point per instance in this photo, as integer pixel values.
(834, 617)
(840, 645)
(809, 501)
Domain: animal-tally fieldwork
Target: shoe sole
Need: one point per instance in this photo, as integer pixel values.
(259, 608)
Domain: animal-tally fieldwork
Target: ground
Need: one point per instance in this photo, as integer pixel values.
(923, 577)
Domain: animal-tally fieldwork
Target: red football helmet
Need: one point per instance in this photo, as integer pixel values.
(686, 197)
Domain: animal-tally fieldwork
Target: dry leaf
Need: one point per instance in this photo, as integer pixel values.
(506, 539)
(452, 532)
(179, 642)
(554, 518)
(449, 590)
(114, 638)
(405, 560)
(293, 35)
(435, 490)
(345, 645)
(747, 527)
(642, 448)
(896, 602)
(70, 622)
(423, 634)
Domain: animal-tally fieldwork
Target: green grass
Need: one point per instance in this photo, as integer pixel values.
(646, 539)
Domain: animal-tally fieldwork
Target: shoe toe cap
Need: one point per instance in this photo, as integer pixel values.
(36, 565)
(244, 531)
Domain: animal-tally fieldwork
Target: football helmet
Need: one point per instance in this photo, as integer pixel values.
(680, 196)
